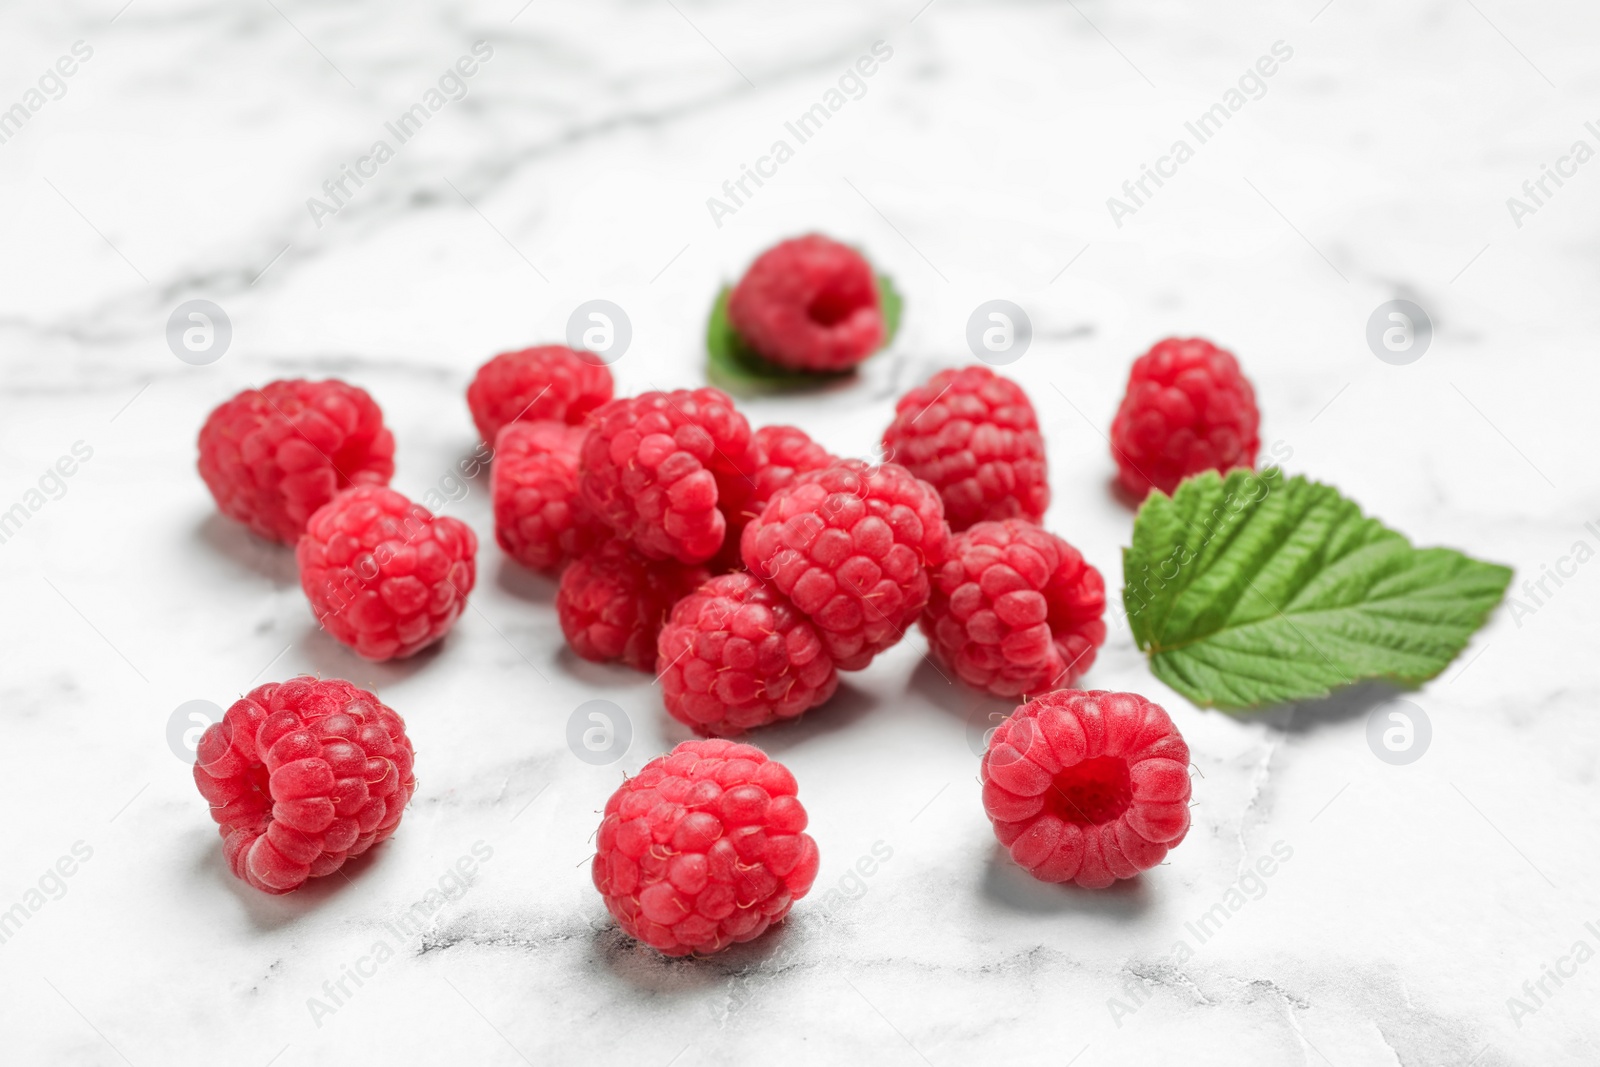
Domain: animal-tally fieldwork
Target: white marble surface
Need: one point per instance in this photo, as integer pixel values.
(176, 166)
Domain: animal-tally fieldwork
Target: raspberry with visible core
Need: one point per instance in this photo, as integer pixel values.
(810, 304)
(613, 602)
(272, 456)
(547, 382)
(704, 848)
(973, 436)
(850, 546)
(655, 467)
(538, 517)
(385, 576)
(301, 776)
(1087, 787)
(1015, 610)
(737, 655)
(1188, 408)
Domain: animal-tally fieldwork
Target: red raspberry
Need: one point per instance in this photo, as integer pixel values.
(613, 602)
(538, 518)
(809, 303)
(272, 456)
(737, 655)
(1087, 787)
(548, 382)
(703, 848)
(654, 468)
(1015, 610)
(384, 575)
(782, 453)
(302, 775)
(973, 436)
(850, 546)
(1189, 408)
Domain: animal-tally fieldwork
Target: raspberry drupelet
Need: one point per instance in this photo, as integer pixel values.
(654, 468)
(973, 436)
(1188, 408)
(613, 602)
(385, 576)
(547, 382)
(809, 304)
(538, 517)
(704, 848)
(1087, 787)
(783, 453)
(1015, 610)
(301, 776)
(272, 456)
(736, 655)
(851, 546)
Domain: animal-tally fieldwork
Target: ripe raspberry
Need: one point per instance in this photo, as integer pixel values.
(1087, 787)
(654, 468)
(547, 382)
(1015, 610)
(703, 848)
(736, 655)
(809, 303)
(782, 453)
(973, 436)
(1189, 408)
(302, 775)
(272, 456)
(384, 575)
(613, 602)
(850, 546)
(538, 518)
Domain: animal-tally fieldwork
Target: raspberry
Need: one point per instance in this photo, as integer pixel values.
(1189, 408)
(654, 468)
(850, 546)
(703, 848)
(782, 453)
(1087, 787)
(538, 518)
(973, 436)
(548, 382)
(737, 655)
(1015, 610)
(272, 456)
(302, 775)
(613, 602)
(810, 304)
(383, 575)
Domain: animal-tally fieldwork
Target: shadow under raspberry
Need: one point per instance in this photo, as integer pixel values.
(1010, 886)
(233, 541)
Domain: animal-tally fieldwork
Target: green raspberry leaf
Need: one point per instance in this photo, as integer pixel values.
(1254, 589)
(731, 364)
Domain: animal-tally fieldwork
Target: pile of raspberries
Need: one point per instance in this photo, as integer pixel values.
(744, 568)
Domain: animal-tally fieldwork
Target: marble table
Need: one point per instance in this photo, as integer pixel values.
(1438, 912)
